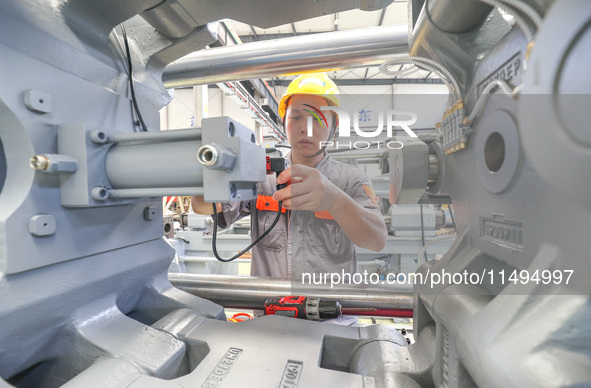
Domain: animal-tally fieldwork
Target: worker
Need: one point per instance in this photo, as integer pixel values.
(327, 207)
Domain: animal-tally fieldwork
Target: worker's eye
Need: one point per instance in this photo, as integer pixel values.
(294, 117)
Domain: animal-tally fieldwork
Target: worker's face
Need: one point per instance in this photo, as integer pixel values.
(300, 107)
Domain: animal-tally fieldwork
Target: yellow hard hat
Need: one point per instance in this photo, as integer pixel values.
(312, 83)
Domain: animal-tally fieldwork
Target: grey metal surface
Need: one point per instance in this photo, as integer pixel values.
(479, 34)
(555, 116)
(177, 18)
(251, 292)
(249, 168)
(77, 312)
(457, 16)
(409, 171)
(496, 145)
(296, 353)
(411, 220)
(510, 198)
(318, 52)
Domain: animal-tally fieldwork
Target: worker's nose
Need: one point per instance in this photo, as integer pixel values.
(300, 126)
(302, 129)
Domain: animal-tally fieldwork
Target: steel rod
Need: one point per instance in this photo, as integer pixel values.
(155, 192)
(177, 134)
(251, 292)
(299, 54)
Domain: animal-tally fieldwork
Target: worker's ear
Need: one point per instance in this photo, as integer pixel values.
(286, 107)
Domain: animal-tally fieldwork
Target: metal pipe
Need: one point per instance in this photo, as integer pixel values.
(155, 192)
(387, 313)
(251, 292)
(177, 134)
(300, 54)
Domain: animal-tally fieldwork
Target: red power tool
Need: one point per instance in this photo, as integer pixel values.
(307, 308)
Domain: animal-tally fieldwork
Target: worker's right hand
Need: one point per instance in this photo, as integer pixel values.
(309, 189)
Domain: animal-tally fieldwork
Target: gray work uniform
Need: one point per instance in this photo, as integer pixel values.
(301, 242)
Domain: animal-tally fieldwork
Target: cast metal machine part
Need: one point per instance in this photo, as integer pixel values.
(507, 175)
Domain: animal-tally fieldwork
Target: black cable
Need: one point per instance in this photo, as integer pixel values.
(423, 232)
(215, 228)
(132, 114)
(131, 85)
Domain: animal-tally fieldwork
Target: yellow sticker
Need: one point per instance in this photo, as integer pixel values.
(371, 194)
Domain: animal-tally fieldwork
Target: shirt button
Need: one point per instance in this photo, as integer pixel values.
(267, 204)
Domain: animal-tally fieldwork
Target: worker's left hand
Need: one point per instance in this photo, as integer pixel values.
(309, 189)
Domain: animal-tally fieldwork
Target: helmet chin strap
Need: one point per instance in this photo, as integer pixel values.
(332, 132)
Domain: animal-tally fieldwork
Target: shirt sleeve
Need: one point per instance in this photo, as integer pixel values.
(232, 212)
(363, 193)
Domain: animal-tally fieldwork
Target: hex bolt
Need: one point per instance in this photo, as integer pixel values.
(150, 213)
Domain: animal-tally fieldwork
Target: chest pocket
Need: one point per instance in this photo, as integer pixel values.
(267, 212)
(331, 243)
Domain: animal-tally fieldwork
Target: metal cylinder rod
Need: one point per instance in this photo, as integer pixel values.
(300, 54)
(251, 292)
(155, 192)
(177, 134)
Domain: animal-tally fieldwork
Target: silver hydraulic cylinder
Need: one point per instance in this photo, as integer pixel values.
(155, 164)
(220, 161)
